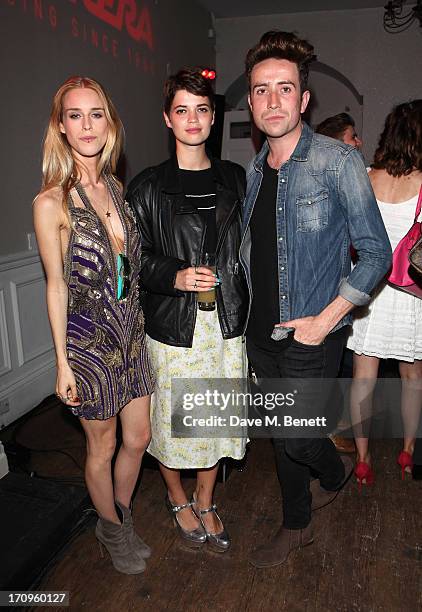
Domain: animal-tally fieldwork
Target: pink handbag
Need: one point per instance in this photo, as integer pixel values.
(402, 275)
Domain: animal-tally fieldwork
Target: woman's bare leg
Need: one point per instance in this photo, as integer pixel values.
(411, 402)
(365, 372)
(177, 496)
(204, 493)
(101, 444)
(136, 434)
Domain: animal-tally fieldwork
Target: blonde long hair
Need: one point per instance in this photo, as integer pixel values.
(59, 167)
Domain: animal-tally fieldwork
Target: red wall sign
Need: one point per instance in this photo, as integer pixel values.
(123, 12)
(131, 18)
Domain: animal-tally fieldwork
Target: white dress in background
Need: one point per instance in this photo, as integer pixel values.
(390, 326)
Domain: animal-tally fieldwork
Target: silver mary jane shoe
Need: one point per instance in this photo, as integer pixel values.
(218, 542)
(194, 538)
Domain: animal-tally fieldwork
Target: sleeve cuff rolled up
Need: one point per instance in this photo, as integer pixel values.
(349, 293)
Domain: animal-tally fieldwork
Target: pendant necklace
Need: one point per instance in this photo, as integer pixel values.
(108, 215)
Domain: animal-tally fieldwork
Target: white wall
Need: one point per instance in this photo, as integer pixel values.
(4, 466)
(385, 68)
(27, 363)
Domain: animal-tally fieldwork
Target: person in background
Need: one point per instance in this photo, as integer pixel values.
(188, 206)
(341, 127)
(390, 326)
(90, 248)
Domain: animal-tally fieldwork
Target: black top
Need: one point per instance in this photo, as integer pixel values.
(168, 245)
(265, 308)
(199, 187)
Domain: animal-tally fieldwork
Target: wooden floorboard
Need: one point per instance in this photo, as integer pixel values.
(364, 558)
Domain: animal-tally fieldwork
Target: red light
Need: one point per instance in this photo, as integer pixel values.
(208, 74)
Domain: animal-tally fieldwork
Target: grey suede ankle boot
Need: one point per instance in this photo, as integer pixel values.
(135, 541)
(114, 538)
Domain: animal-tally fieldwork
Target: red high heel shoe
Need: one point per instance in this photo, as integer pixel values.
(405, 460)
(363, 471)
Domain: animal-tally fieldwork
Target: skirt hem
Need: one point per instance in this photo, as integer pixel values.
(195, 467)
(78, 410)
(368, 353)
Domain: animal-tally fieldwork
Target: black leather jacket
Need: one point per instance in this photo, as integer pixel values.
(172, 234)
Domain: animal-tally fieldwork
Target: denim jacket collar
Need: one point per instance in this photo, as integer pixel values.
(299, 154)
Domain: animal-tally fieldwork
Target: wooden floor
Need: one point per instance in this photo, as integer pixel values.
(367, 554)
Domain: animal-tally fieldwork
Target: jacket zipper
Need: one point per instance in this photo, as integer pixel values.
(240, 250)
(225, 229)
(218, 294)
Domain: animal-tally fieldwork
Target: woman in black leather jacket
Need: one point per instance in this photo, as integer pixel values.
(188, 206)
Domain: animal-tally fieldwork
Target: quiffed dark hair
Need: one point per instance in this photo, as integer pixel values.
(335, 126)
(282, 45)
(192, 81)
(399, 150)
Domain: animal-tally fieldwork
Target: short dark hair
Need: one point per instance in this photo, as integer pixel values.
(282, 45)
(399, 150)
(335, 126)
(192, 81)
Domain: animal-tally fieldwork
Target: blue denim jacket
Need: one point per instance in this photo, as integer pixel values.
(324, 203)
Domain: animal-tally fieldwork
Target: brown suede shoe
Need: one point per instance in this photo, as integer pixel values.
(278, 549)
(321, 497)
(343, 445)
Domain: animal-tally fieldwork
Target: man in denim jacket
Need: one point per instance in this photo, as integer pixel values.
(308, 198)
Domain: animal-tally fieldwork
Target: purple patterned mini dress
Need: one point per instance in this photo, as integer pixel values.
(105, 336)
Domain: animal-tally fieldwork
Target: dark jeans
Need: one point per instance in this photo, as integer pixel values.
(297, 458)
(417, 453)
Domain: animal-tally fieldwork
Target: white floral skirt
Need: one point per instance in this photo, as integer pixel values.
(210, 356)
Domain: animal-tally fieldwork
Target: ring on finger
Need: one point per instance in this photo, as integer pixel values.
(195, 286)
(196, 270)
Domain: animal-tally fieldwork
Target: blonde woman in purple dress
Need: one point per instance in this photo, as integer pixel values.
(90, 249)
